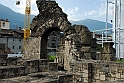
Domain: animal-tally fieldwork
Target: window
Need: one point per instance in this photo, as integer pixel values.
(19, 39)
(19, 47)
(13, 39)
(3, 24)
(13, 47)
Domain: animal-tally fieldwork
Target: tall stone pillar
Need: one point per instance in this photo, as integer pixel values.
(60, 54)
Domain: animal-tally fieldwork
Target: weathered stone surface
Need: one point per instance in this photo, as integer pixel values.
(76, 45)
(108, 52)
(32, 66)
(11, 71)
(32, 48)
(84, 34)
(65, 79)
(43, 65)
(50, 18)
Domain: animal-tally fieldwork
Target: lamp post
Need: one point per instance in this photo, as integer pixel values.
(107, 17)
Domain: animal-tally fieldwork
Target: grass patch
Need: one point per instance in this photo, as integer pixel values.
(51, 57)
(119, 60)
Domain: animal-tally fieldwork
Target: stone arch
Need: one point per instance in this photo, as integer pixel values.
(50, 18)
(44, 39)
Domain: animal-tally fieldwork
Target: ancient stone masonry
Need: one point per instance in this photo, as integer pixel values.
(89, 71)
(108, 52)
(50, 18)
(32, 71)
(32, 48)
(87, 43)
(60, 54)
(76, 54)
(78, 45)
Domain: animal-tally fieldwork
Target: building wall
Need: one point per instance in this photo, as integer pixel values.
(4, 24)
(53, 39)
(15, 44)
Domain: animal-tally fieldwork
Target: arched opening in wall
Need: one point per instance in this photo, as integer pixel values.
(50, 41)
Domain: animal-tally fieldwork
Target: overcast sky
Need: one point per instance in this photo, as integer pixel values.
(75, 9)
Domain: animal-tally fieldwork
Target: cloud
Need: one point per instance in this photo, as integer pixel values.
(72, 13)
(90, 13)
(21, 8)
(100, 12)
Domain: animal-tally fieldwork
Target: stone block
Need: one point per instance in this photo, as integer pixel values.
(32, 65)
(118, 75)
(122, 76)
(12, 61)
(102, 77)
(85, 71)
(27, 71)
(53, 67)
(44, 62)
(3, 56)
(43, 65)
(96, 76)
(97, 80)
(85, 80)
(85, 75)
(21, 70)
(3, 62)
(66, 79)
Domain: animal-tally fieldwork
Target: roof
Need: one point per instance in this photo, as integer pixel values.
(6, 20)
(11, 33)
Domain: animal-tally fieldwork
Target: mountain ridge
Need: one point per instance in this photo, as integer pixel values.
(92, 24)
(17, 20)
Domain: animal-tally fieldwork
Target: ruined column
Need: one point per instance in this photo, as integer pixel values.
(108, 52)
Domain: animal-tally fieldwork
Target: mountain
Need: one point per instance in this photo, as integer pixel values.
(92, 24)
(16, 19)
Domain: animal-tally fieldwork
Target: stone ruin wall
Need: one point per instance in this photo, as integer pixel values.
(76, 54)
(32, 48)
(81, 71)
(78, 45)
(90, 71)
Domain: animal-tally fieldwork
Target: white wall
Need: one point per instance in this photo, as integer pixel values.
(14, 55)
(6, 25)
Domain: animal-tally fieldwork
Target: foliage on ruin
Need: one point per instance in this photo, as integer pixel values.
(51, 57)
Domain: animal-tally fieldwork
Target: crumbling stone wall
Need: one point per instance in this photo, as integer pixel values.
(79, 44)
(60, 54)
(50, 18)
(89, 71)
(11, 71)
(108, 52)
(32, 48)
(82, 72)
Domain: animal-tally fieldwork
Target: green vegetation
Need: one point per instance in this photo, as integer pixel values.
(51, 57)
(119, 60)
(98, 48)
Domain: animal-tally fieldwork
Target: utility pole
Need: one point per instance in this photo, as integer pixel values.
(106, 19)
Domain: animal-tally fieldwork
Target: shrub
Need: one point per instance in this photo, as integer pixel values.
(51, 57)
